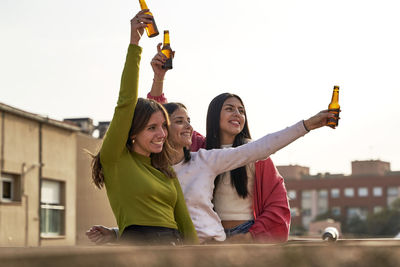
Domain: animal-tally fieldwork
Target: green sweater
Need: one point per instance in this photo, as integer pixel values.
(139, 194)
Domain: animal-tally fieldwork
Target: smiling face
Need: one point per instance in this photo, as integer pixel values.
(180, 133)
(232, 120)
(151, 139)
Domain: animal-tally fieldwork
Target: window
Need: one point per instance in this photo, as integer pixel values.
(349, 192)
(322, 194)
(377, 191)
(335, 193)
(292, 194)
(9, 188)
(306, 194)
(52, 208)
(322, 203)
(378, 209)
(306, 212)
(306, 201)
(362, 192)
(392, 194)
(392, 191)
(336, 211)
(359, 212)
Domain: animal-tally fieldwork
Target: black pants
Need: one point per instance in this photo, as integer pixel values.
(150, 235)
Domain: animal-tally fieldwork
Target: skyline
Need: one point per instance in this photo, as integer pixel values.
(64, 59)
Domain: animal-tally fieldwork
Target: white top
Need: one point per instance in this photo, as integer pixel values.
(227, 202)
(197, 176)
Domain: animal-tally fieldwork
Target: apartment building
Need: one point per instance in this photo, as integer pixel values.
(371, 187)
(46, 195)
(37, 179)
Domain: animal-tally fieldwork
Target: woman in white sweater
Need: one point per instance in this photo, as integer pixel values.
(196, 171)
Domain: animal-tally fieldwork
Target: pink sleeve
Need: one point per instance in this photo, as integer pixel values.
(271, 206)
(160, 99)
(198, 141)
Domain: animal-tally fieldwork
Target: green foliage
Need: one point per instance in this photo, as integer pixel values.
(385, 223)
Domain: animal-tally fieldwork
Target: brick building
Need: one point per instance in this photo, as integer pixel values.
(371, 187)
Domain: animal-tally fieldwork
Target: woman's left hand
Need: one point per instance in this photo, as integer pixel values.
(318, 120)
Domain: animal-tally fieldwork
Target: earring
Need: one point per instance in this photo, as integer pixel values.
(133, 141)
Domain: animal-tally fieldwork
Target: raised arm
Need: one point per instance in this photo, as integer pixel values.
(156, 92)
(222, 160)
(117, 134)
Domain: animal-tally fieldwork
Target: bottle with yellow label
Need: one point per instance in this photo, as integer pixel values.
(334, 108)
(151, 28)
(167, 51)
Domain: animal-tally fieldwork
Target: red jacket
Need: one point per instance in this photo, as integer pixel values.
(270, 203)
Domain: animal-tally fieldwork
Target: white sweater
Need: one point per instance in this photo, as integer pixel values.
(197, 176)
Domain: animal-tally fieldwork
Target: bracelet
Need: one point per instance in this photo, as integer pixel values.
(305, 127)
(160, 81)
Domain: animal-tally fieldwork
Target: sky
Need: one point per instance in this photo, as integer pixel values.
(63, 59)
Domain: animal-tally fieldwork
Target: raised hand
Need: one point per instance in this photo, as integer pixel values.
(318, 120)
(138, 23)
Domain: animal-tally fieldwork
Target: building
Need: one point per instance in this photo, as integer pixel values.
(37, 180)
(371, 187)
(47, 198)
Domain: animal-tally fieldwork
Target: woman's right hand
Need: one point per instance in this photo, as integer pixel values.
(157, 62)
(138, 23)
(101, 235)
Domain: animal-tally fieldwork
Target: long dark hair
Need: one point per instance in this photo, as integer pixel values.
(171, 108)
(239, 175)
(161, 161)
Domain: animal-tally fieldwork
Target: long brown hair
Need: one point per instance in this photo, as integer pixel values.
(161, 161)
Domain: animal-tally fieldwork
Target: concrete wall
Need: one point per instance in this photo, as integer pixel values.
(21, 152)
(19, 222)
(59, 159)
(93, 206)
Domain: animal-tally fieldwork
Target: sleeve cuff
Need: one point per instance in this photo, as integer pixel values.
(160, 99)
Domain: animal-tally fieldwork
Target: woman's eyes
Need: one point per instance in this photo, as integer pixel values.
(181, 121)
(230, 109)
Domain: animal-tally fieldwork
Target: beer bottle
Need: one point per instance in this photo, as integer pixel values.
(167, 51)
(334, 108)
(151, 28)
